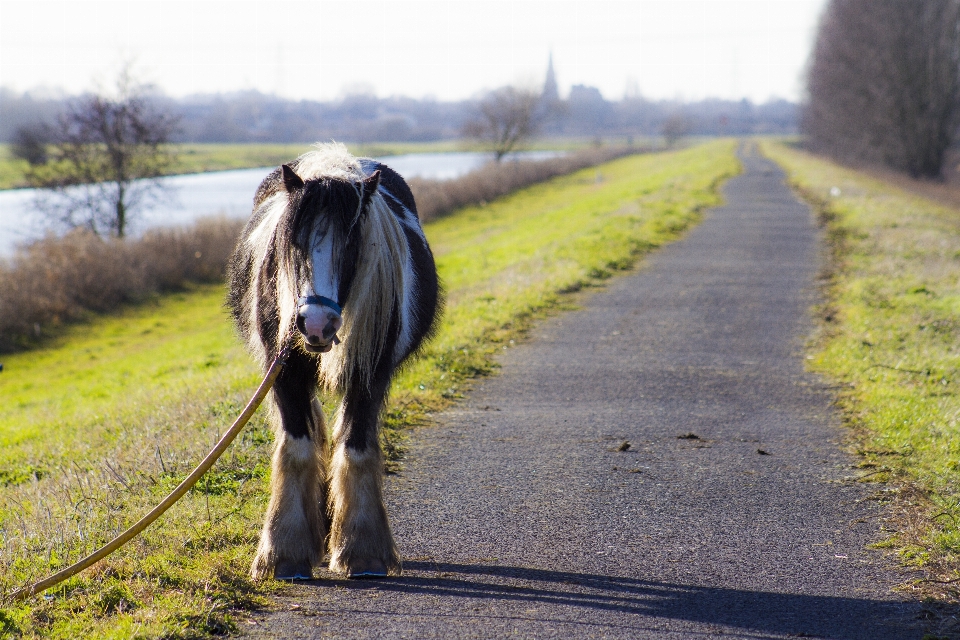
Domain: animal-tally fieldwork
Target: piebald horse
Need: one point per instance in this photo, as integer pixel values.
(333, 263)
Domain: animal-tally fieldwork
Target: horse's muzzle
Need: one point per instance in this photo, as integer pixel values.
(318, 324)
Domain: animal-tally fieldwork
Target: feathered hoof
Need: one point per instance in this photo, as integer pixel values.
(262, 567)
(293, 571)
(265, 566)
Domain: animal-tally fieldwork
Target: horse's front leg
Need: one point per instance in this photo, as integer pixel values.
(291, 543)
(360, 540)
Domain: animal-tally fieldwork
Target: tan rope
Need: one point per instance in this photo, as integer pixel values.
(268, 380)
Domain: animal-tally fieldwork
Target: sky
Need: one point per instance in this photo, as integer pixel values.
(442, 49)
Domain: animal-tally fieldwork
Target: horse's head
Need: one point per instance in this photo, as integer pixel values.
(324, 242)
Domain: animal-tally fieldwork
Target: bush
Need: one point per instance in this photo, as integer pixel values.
(61, 279)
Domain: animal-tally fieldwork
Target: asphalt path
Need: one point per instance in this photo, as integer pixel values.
(524, 512)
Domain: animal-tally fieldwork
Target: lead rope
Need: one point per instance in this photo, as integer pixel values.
(268, 380)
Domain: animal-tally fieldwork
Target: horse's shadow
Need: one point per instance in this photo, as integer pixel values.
(794, 615)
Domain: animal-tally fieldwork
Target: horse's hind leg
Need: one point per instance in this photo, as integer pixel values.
(361, 543)
(291, 543)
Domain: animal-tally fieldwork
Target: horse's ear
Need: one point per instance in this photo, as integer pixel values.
(290, 178)
(369, 187)
(371, 183)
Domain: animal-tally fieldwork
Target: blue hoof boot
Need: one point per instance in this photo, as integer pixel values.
(366, 574)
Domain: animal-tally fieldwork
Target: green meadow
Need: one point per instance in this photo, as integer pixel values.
(202, 157)
(104, 420)
(890, 340)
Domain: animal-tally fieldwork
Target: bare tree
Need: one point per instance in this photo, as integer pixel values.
(675, 127)
(884, 83)
(105, 154)
(507, 116)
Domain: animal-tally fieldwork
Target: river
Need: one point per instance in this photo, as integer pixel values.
(230, 193)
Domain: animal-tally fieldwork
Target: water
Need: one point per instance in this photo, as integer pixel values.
(228, 193)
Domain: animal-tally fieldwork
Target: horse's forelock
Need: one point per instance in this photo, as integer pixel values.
(323, 206)
(375, 295)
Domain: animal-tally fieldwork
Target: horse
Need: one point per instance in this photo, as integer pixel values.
(334, 264)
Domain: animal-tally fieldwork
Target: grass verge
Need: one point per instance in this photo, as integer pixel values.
(890, 336)
(96, 427)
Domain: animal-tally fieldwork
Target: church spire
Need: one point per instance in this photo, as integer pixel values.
(550, 93)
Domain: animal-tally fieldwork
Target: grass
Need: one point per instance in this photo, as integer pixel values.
(98, 426)
(890, 336)
(12, 170)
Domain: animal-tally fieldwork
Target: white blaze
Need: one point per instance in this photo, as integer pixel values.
(325, 282)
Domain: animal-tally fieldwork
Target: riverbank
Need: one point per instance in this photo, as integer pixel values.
(186, 198)
(195, 158)
(60, 279)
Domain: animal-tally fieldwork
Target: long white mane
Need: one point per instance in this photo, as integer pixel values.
(377, 290)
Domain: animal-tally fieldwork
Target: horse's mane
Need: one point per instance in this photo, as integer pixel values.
(377, 290)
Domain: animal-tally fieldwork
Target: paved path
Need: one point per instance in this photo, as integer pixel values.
(728, 514)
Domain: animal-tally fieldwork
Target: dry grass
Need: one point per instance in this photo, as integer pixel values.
(64, 278)
(945, 191)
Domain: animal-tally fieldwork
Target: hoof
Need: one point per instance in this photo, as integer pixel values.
(293, 571)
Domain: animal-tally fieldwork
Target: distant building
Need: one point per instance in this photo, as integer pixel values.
(550, 111)
(550, 95)
(587, 112)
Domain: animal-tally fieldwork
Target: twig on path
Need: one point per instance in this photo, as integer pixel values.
(950, 581)
(117, 475)
(949, 515)
(925, 372)
(867, 475)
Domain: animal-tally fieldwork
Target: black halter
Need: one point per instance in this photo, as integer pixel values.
(321, 300)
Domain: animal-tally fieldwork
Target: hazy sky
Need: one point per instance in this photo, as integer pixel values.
(448, 49)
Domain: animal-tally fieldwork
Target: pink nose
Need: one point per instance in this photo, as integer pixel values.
(319, 324)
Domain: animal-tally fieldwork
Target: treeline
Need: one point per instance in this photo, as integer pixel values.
(62, 279)
(255, 117)
(884, 83)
